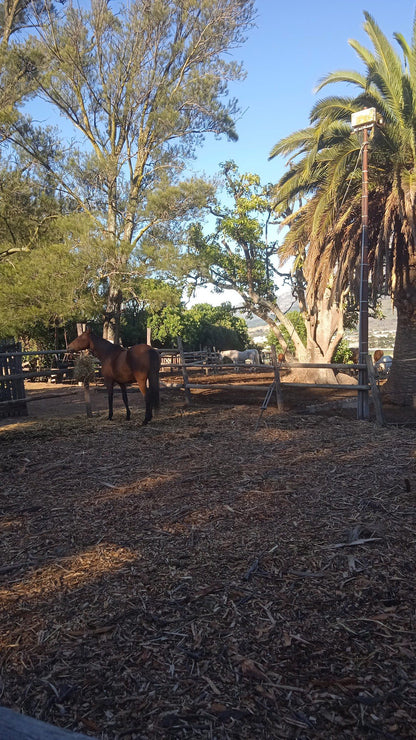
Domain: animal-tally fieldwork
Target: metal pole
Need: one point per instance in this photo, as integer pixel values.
(363, 411)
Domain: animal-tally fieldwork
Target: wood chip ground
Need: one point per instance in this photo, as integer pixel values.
(197, 578)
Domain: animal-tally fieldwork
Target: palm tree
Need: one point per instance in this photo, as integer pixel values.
(326, 176)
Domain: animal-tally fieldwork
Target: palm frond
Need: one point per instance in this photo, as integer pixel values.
(349, 76)
(333, 108)
(299, 141)
(324, 173)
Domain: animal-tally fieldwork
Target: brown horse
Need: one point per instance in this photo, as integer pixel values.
(138, 364)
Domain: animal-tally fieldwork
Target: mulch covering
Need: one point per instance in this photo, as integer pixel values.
(199, 578)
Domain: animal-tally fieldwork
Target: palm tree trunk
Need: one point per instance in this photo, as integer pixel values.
(401, 383)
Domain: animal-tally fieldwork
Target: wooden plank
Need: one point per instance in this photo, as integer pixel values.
(35, 374)
(227, 386)
(34, 352)
(333, 365)
(43, 396)
(241, 386)
(14, 726)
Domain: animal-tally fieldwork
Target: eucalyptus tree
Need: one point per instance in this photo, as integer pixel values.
(17, 70)
(141, 84)
(325, 174)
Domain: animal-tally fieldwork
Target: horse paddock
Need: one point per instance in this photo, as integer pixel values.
(199, 577)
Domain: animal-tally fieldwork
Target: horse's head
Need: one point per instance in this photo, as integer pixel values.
(83, 341)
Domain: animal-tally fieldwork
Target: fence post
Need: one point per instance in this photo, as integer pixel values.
(279, 396)
(184, 372)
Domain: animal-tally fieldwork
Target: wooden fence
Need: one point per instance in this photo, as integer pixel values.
(12, 387)
(12, 375)
(14, 371)
(171, 358)
(370, 386)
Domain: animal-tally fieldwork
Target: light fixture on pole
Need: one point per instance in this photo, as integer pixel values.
(364, 121)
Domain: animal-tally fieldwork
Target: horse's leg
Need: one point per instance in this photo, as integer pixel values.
(125, 399)
(141, 382)
(110, 390)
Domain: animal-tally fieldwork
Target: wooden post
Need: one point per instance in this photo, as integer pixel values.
(87, 399)
(149, 335)
(375, 391)
(279, 396)
(184, 372)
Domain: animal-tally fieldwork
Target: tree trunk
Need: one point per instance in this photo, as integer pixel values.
(324, 331)
(400, 386)
(112, 316)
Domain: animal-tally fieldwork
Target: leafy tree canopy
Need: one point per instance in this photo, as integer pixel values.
(200, 326)
(141, 85)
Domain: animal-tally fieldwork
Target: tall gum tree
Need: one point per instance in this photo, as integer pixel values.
(142, 85)
(17, 70)
(240, 256)
(325, 174)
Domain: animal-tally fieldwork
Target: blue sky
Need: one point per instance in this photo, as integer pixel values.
(294, 45)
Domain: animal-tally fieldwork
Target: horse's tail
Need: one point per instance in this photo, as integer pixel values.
(152, 392)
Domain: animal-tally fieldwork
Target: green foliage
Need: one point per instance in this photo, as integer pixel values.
(343, 353)
(166, 324)
(46, 285)
(200, 326)
(141, 117)
(238, 255)
(298, 324)
(18, 67)
(133, 328)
